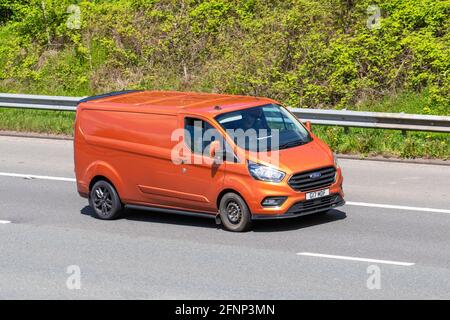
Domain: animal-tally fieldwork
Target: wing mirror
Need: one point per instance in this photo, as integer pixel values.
(308, 125)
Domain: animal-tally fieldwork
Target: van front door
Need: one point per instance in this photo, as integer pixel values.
(200, 177)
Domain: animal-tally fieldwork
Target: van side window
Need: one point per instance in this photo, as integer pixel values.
(199, 138)
(201, 134)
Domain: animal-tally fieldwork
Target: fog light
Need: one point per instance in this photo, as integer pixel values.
(273, 201)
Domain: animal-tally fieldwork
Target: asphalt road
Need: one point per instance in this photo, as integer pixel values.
(45, 227)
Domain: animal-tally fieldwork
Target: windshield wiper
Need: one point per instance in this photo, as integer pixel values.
(291, 144)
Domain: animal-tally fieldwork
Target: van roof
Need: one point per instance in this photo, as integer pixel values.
(173, 101)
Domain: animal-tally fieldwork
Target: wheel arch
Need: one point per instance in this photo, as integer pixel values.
(98, 178)
(228, 190)
(103, 171)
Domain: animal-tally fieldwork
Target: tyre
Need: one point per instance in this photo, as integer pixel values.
(234, 213)
(105, 201)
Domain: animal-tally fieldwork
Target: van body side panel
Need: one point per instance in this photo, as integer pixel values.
(134, 151)
(136, 146)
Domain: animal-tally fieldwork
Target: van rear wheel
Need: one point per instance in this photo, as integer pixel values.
(234, 213)
(105, 201)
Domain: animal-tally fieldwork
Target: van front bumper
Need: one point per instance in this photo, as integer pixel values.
(295, 204)
(303, 208)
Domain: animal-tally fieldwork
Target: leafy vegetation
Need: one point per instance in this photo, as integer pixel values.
(304, 53)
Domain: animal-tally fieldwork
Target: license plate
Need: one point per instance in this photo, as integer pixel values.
(317, 194)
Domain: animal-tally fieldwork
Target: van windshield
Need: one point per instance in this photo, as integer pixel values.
(263, 128)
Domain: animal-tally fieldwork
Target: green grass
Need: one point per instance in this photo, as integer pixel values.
(54, 122)
(391, 143)
(357, 141)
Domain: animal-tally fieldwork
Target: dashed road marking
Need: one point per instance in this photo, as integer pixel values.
(329, 256)
(32, 176)
(396, 207)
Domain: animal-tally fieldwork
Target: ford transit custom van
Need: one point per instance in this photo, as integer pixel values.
(233, 158)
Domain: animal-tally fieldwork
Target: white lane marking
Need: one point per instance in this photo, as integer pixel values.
(32, 176)
(329, 256)
(4, 221)
(389, 206)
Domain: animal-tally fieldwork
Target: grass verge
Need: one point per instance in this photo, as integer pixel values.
(390, 143)
(41, 121)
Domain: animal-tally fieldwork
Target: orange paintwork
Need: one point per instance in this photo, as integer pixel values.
(127, 139)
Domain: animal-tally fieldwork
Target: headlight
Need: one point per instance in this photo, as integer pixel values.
(265, 173)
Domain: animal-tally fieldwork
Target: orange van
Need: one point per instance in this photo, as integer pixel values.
(232, 158)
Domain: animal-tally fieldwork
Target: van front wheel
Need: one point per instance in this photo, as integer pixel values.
(234, 213)
(105, 201)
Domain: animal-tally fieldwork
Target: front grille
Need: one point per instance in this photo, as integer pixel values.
(313, 179)
(316, 205)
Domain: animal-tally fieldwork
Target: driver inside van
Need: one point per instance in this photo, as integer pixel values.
(251, 119)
